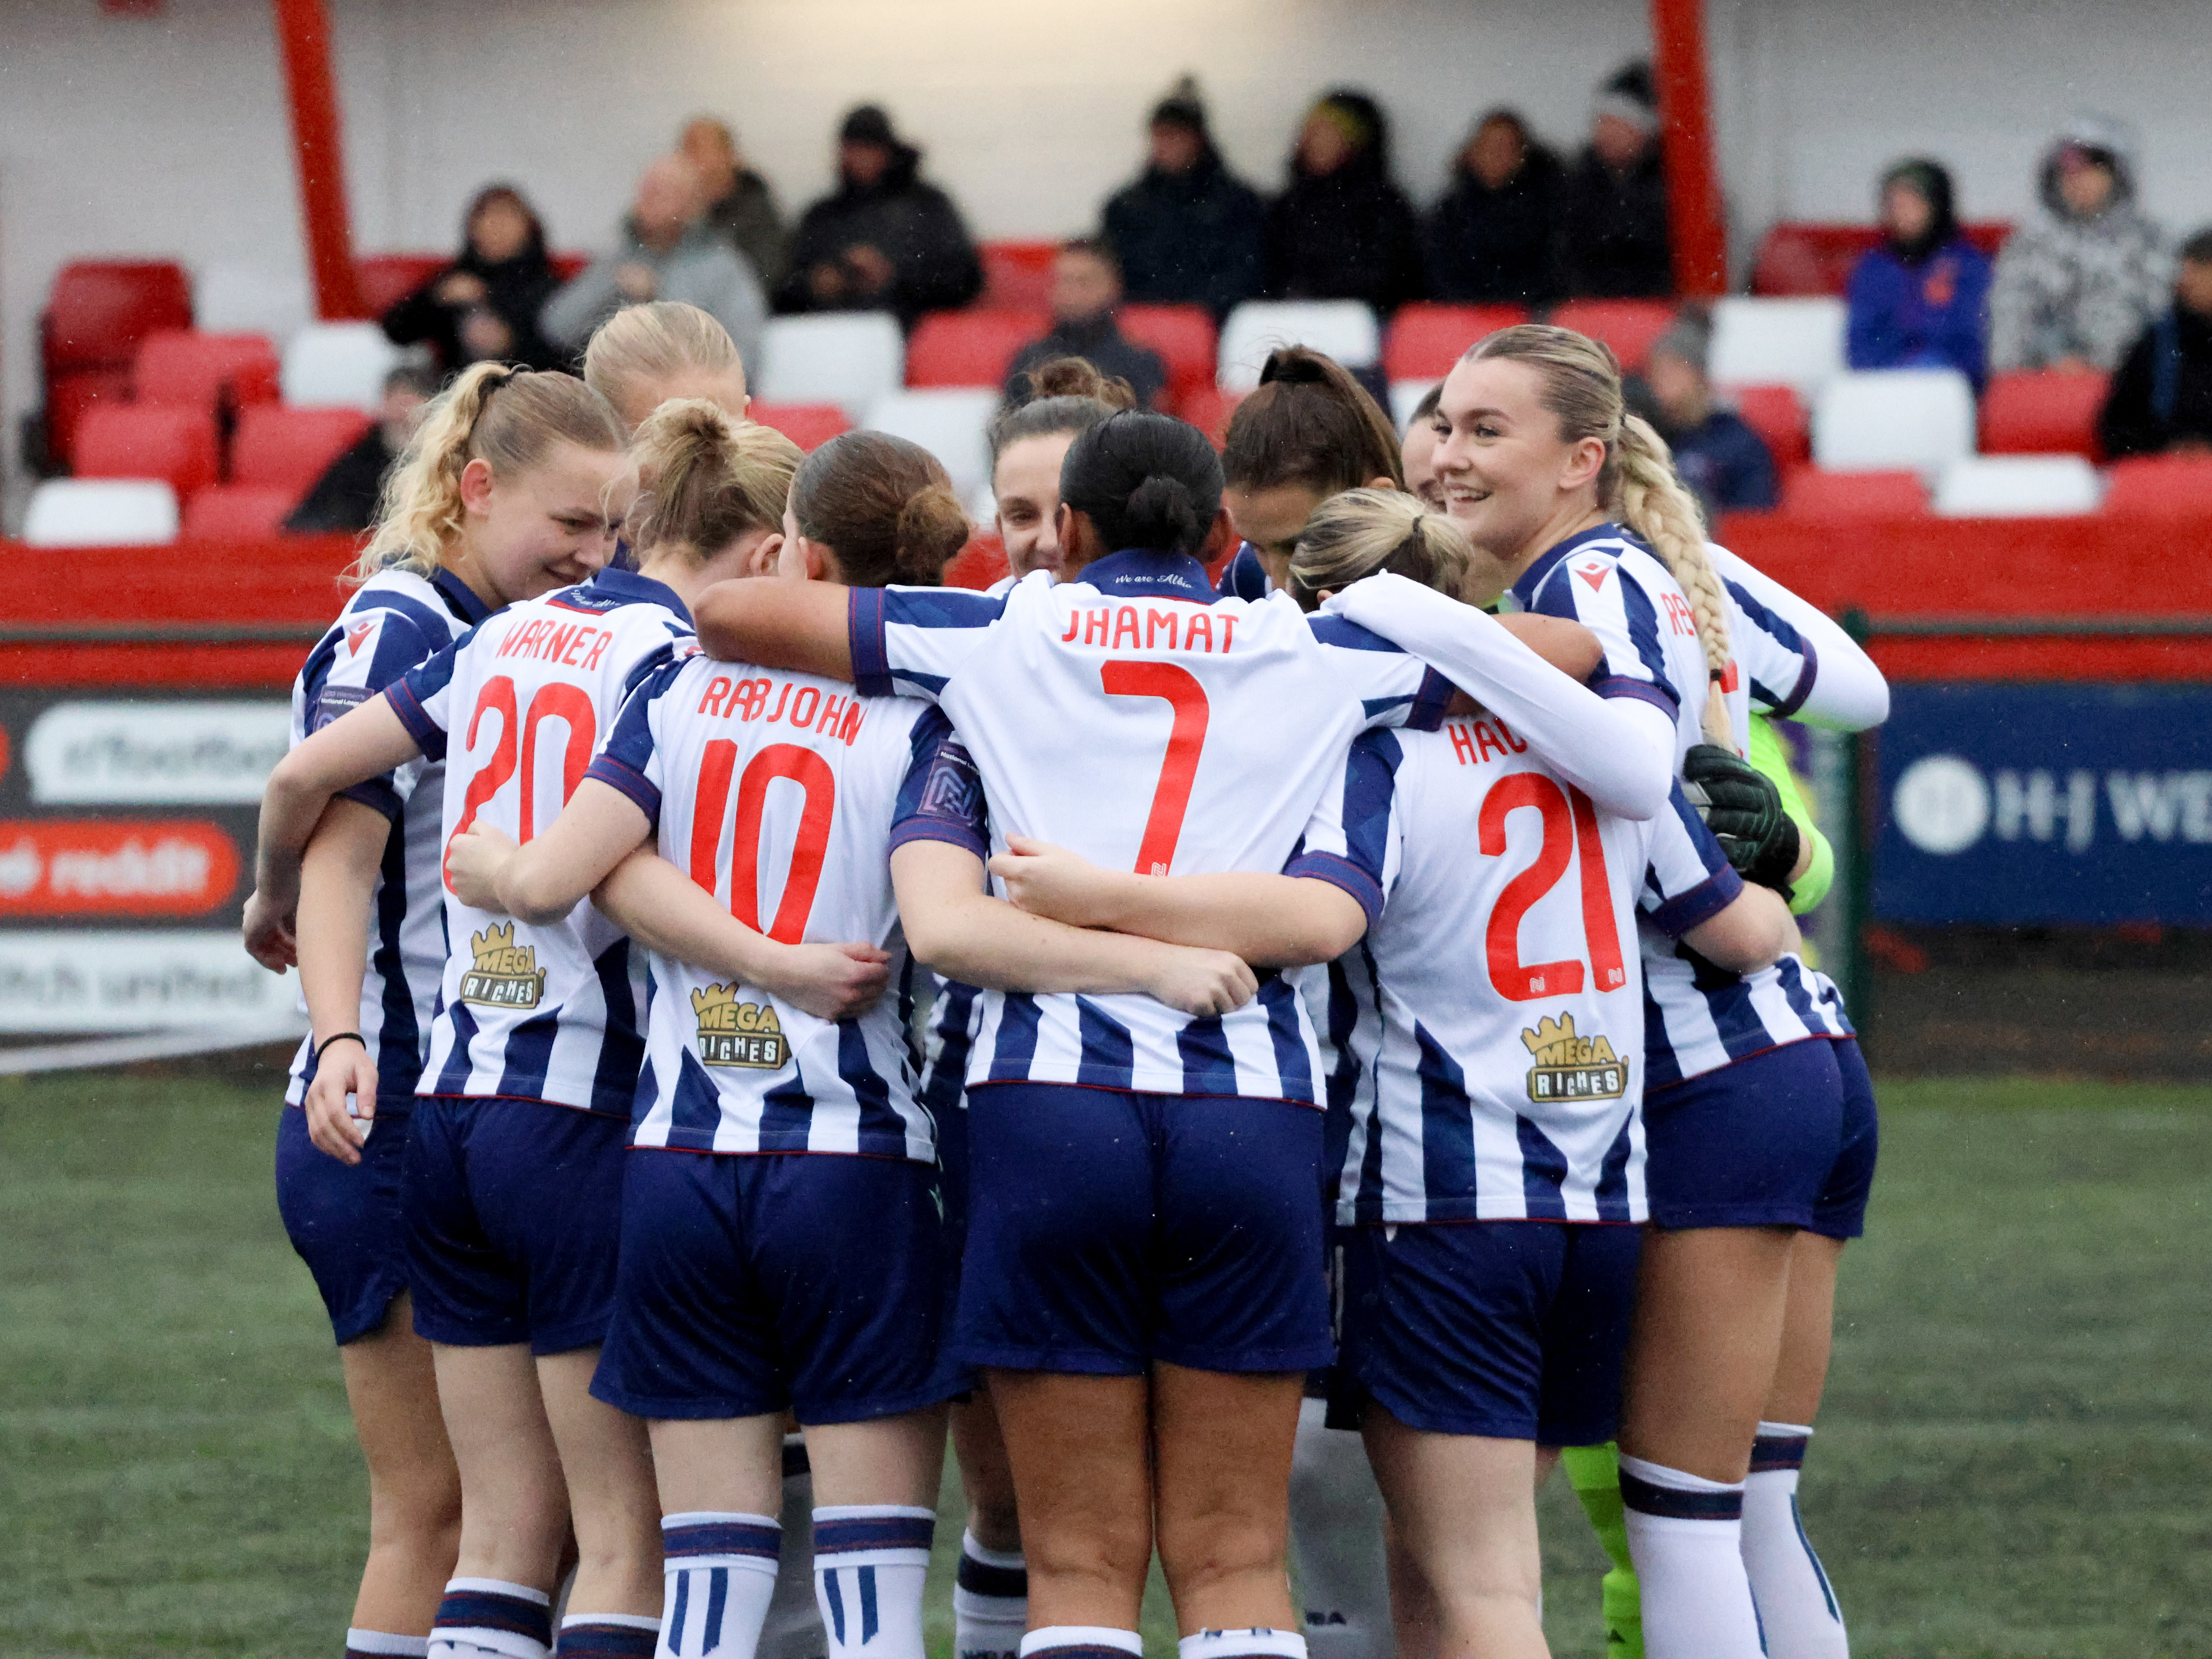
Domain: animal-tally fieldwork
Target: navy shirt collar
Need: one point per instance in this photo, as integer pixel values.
(1139, 573)
(627, 588)
(460, 599)
(1530, 579)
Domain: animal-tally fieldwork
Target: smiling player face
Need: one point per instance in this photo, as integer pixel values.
(550, 526)
(1026, 483)
(1511, 481)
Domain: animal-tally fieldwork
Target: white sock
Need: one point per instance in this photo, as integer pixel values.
(481, 1616)
(990, 1601)
(383, 1644)
(1795, 1605)
(1242, 1645)
(871, 1561)
(718, 1570)
(609, 1636)
(1082, 1642)
(793, 1629)
(1336, 1542)
(1685, 1535)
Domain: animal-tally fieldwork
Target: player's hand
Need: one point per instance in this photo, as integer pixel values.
(474, 860)
(1744, 809)
(337, 1128)
(269, 932)
(1202, 982)
(1052, 882)
(830, 982)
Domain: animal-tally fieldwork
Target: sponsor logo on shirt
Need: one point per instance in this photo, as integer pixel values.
(1570, 1067)
(735, 1033)
(505, 974)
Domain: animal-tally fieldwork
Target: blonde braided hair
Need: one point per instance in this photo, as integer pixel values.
(1638, 483)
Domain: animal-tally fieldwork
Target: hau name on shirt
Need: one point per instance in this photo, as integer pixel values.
(1474, 741)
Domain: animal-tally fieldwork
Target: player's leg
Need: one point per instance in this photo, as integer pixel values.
(1337, 1553)
(720, 1486)
(991, 1586)
(515, 1505)
(614, 1604)
(1464, 1507)
(414, 1489)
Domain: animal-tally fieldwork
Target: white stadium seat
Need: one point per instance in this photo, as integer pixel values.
(100, 513)
(230, 298)
(950, 422)
(1343, 329)
(2016, 486)
(337, 366)
(1405, 397)
(847, 358)
(1798, 343)
(1885, 419)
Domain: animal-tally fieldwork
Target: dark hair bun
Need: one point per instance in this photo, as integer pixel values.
(1077, 377)
(931, 531)
(1161, 513)
(1295, 366)
(1144, 481)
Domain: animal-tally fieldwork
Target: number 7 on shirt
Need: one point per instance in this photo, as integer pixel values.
(1180, 689)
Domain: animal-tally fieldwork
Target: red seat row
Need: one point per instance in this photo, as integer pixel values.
(273, 448)
(97, 312)
(2149, 486)
(1796, 257)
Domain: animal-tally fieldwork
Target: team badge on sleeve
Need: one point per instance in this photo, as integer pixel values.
(505, 974)
(1570, 1067)
(735, 1033)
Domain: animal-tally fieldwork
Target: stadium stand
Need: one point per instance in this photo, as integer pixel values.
(144, 440)
(2016, 487)
(1629, 327)
(847, 358)
(947, 422)
(2043, 413)
(1018, 276)
(808, 425)
(1425, 339)
(235, 512)
(1922, 418)
(98, 312)
(1816, 496)
(1796, 257)
(100, 513)
(1186, 340)
(2161, 486)
(1794, 343)
(1345, 329)
(337, 366)
(188, 369)
(1777, 414)
(278, 447)
(974, 347)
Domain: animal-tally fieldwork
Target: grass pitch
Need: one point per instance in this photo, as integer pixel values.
(2012, 1460)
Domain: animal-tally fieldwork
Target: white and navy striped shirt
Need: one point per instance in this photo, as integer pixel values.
(393, 622)
(1097, 711)
(778, 792)
(548, 1013)
(1485, 1040)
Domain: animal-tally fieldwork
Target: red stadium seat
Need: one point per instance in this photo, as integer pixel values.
(236, 513)
(1777, 414)
(1018, 276)
(282, 448)
(1817, 258)
(2042, 413)
(2162, 486)
(808, 425)
(969, 347)
(190, 370)
(1629, 327)
(99, 310)
(386, 279)
(1425, 340)
(1184, 336)
(1208, 408)
(126, 441)
(69, 393)
(1809, 493)
(977, 565)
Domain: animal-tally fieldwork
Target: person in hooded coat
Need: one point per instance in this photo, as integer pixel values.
(1613, 239)
(1922, 299)
(1187, 231)
(2080, 282)
(484, 306)
(884, 240)
(1491, 238)
(1343, 230)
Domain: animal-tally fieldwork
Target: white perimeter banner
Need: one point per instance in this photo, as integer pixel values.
(168, 753)
(138, 980)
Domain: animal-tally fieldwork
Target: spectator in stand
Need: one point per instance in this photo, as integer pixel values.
(2074, 287)
(1921, 300)
(667, 251)
(2161, 397)
(741, 205)
(1726, 464)
(884, 240)
(344, 499)
(1342, 229)
(1492, 237)
(484, 306)
(1187, 231)
(1614, 242)
(1085, 289)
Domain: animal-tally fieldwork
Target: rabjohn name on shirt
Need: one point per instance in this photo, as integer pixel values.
(1115, 628)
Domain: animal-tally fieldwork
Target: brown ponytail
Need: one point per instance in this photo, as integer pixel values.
(882, 506)
(1311, 424)
(706, 480)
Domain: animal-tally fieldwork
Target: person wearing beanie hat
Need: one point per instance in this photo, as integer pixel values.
(1342, 229)
(1613, 241)
(1725, 464)
(1186, 231)
(884, 240)
(2079, 281)
(1922, 299)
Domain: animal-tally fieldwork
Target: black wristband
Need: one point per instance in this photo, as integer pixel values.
(341, 1037)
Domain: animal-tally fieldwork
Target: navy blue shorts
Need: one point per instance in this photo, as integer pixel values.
(1514, 1330)
(1108, 1228)
(514, 1215)
(1840, 1212)
(1753, 1144)
(346, 1221)
(812, 1282)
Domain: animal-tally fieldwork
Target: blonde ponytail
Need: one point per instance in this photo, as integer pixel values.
(1360, 531)
(509, 418)
(706, 480)
(1637, 485)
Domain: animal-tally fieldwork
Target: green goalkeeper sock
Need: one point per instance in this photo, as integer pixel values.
(1595, 1473)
